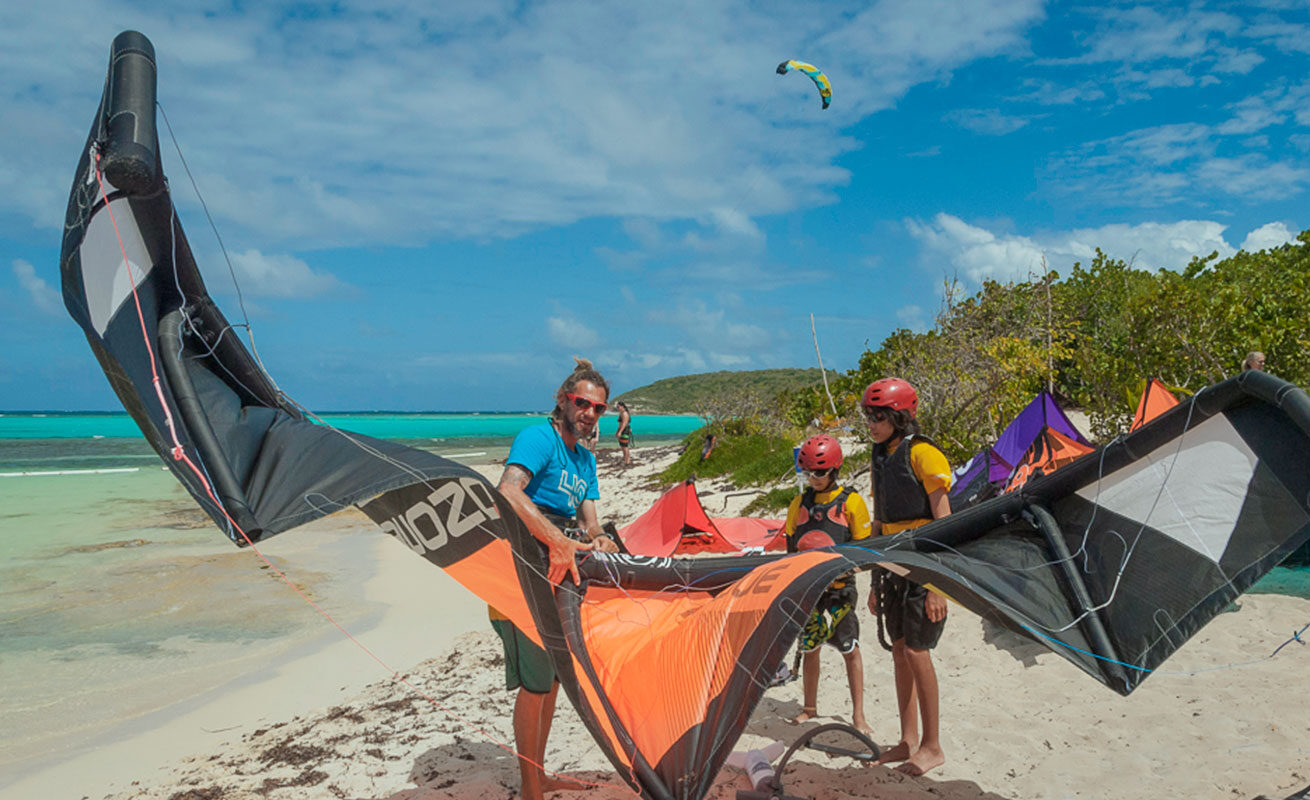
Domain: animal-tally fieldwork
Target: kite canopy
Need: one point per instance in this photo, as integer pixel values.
(1042, 412)
(1156, 399)
(665, 659)
(973, 482)
(677, 524)
(988, 472)
(1048, 452)
(820, 80)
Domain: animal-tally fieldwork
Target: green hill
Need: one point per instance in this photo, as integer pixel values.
(689, 394)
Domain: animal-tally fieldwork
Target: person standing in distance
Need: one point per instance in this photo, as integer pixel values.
(911, 479)
(624, 433)
(550, 479)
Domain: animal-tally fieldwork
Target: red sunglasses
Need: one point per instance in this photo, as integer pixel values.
(581, 403)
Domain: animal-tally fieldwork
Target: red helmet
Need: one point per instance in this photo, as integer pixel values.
(892, 393)
(820, 452)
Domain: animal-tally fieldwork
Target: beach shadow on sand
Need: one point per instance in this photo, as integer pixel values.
(472, 769)
(819, 777)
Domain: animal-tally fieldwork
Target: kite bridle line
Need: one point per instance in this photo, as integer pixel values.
(1295, 637)
(178, 453)
(250, 331)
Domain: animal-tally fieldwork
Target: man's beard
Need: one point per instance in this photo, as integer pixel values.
(577, 430)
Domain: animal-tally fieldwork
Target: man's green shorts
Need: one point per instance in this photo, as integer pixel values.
(526, 665)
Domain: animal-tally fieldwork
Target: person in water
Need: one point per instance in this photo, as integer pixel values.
(826, 514)
(911, 479)
(549, 480)
(624, 433)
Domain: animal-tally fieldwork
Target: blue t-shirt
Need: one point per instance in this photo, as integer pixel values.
(561, 479)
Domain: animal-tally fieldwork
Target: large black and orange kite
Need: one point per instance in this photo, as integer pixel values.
(1112, 561)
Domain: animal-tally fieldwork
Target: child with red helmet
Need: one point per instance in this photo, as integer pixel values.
(826, 514)
(911, 478)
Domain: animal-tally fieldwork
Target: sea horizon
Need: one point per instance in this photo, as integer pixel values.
(421, 429)
(332, 412)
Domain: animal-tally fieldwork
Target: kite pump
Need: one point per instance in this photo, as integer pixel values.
(768, 783)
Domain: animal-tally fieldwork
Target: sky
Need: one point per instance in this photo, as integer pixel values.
(433, 206)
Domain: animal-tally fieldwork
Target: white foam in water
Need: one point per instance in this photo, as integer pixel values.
(70, 472)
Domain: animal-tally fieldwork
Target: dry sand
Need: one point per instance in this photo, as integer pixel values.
(1221, 720)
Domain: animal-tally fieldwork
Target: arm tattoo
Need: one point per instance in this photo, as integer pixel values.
(515, 476)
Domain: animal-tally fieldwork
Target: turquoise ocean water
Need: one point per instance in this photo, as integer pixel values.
(110, 574)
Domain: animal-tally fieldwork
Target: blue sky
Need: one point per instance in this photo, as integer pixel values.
(436, 209)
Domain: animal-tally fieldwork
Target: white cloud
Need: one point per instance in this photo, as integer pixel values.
(1172, 163)
(987, 121)
(1267, 237)
(1147, 245)
(509, 118)
(568, 332)
(1287, 37)
(45, 298)
(273, 275)
(712, 329)
(1252, 176)
(1049, 93)
(980, 254)
(912, 317)
(874, 56)
(1236, 62)
(974, 251)
(1145, 33)
(732, 221)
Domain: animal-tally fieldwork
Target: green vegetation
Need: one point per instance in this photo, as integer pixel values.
(698, 394)
(748, 457)
(1093, 338)
(771, 501)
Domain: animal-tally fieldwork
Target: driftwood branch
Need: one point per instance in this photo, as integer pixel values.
(823, 371)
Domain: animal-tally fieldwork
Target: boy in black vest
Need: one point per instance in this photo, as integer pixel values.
(827, 514)
(911, 479)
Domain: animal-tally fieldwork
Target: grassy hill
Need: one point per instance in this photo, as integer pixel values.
(687, 394)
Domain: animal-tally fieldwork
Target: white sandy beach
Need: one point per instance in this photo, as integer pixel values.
(1221, 720)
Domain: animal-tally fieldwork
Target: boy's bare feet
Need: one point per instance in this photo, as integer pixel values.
(901, 752)
(806, 715)
(922, 761)
(560, 784)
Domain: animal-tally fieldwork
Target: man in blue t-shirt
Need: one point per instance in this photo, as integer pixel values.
(549, 479)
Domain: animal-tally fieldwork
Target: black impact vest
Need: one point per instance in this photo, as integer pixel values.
(819, 517)
(897, 493)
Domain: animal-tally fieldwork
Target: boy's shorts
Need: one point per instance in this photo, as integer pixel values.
(526, 664)
(833, 621)
(904, 614)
